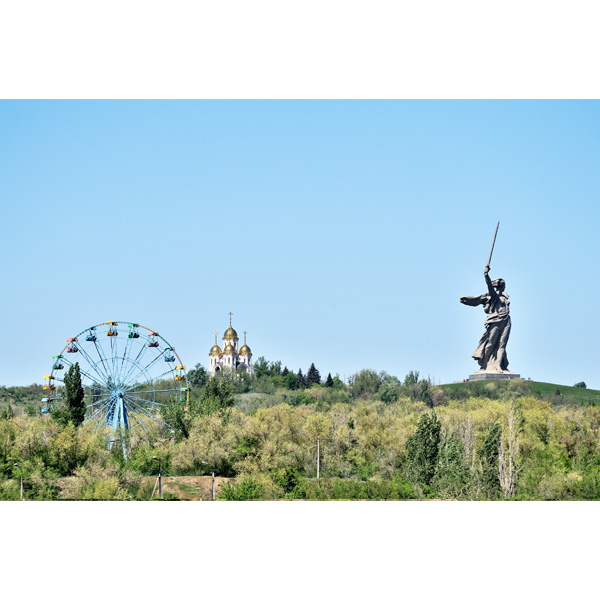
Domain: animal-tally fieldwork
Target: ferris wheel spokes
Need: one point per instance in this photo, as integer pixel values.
(103, 358)
(144, 400)
(90, 361)
(137, 360)
(146, 368)
(128, 344)
(141, 423)
(70, 364)
(154, 391)
(134, 364)
(150, 381)
(143, 410)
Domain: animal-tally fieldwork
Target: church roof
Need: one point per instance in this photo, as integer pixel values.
(231, 334)
(215, 351)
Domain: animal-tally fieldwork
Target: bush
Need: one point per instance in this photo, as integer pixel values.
(104, 489)
(247, 489)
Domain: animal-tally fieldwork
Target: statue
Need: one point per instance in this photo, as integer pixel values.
(491, 351)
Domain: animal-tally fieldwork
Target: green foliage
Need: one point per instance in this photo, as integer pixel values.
(7, 413)
(581, 384)
(198, 376)
(287, 479)
(452, 474)
(73, 405)
(216, 395)
(423, 448)
(329, 381)
(275, 368)
(104, 489)
(376, 445)
(365, 382)
(338, 384)
(388, 393)
(313, 376)
(260, 367)
(412, 378)
(349, 489)
(292, 382)
(302, 383)
(141, 460)
(247, 488)
(489, 461)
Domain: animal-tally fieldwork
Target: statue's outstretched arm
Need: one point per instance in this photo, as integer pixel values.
(473, 300)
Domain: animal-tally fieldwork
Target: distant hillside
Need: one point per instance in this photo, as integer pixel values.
(522, 387)
(22, 399)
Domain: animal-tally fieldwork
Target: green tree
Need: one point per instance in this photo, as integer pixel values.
(7, 413)
(261, 367)
(275, 368)
(73, 410)
(285, 372)
(198, 376)
(216, 395)
(581, 384)
(366, 382)
(291, 381)
(411, 379)
(313, 375)
(247, 488)
(452, 472)
(423, 448)
(424, 392)
(489, 461)
(301, 380)
(388, 393)
(329, 381)
(338, 384)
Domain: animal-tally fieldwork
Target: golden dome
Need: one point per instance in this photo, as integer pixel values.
(229, 349)
(231, 334)
(215, 351)
(245, 351)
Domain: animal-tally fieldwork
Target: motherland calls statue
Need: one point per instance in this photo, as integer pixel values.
(491, 351)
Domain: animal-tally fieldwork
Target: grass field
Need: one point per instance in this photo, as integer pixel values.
(524, 387)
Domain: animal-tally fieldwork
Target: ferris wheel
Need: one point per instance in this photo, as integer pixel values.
(128, 372)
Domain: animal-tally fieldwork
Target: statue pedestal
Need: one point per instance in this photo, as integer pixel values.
(484, 375)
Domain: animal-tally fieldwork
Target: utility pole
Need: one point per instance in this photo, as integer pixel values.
(318, 456)
(213, 486)
(159, 476)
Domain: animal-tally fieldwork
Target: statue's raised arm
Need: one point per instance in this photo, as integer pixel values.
(489, 283)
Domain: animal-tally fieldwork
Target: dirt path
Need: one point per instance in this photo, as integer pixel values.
(189, 487)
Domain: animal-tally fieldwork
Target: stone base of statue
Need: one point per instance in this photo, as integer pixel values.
(486, 375)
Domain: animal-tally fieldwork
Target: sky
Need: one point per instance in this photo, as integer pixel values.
(336, 232)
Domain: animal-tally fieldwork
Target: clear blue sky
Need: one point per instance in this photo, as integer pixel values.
(339, 233)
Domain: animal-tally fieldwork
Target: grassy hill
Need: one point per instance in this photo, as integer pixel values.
(522, 387)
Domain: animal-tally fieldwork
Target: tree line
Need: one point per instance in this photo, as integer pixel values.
(378, 437)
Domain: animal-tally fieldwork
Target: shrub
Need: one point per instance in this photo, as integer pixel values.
(247, 489)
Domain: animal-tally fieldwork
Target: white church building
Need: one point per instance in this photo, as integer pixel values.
(230, 357)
